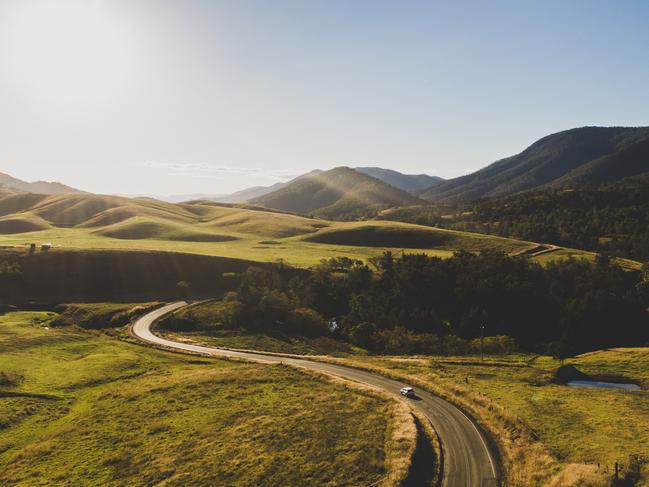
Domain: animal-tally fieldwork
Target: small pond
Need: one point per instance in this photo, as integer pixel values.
(603, 385)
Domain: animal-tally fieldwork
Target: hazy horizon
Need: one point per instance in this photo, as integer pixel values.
(163, 97)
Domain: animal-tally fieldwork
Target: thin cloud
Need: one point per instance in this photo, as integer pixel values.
(214, 171)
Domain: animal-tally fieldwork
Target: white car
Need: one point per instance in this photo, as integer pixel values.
(407, 391)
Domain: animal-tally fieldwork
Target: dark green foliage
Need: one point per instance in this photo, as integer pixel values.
(264, 302)
(10, 270)
(383, 236)
(103, 275)
(428, 215)
(420, 304)
(362, 334)
(612, 219)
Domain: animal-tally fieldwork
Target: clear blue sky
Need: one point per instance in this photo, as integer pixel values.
(188, 96)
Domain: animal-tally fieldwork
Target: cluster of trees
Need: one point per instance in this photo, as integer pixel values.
(613, 219)
(414, 303)
(266, 302)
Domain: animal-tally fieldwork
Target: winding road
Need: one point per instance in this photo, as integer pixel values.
(468, 458)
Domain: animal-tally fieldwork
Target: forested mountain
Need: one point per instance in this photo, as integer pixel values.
(412, 183)
(613, 218)
(577, 158)
(340, 193)
(9, 184)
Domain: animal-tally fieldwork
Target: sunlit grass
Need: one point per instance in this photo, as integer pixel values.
(81, 408)
(84, 221)
(293, 250)
(578, 425)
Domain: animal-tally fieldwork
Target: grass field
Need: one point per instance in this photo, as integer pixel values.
(580, 426)
(564, 427)
(576, 425)
(106, 222)
(80, 408)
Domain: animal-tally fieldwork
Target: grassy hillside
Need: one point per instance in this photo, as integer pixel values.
(573, 158)
(80, 408)
(341, 193)
(517, 396)
(402, 235)
(89, 222)
(138, 228)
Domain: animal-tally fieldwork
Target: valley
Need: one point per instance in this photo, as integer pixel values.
(395, 275)
(92, 222)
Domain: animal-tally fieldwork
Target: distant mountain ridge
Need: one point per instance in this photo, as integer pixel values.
(412, 183)
(9, 184)
(340, 193)
(250, 194)
(577, 157)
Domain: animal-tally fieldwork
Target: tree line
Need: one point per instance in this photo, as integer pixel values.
(612, 219)
(414, 303)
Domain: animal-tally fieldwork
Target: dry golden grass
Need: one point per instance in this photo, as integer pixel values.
(579, 475)
(400, 445)
(541, 427)
(526, 461)
(401, 437)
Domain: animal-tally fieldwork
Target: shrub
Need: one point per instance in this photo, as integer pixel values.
(101, 315)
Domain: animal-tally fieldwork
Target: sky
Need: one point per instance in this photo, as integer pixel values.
(177, 97)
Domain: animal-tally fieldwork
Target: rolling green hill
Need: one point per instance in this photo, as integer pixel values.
(341, 193)
(95, 222)
(581, 157)
(81, 408)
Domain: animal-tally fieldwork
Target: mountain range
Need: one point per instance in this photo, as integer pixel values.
(579, 158)
(412, 183)
(340, 193)
(586, 156)
(249, 194)
(9, 184)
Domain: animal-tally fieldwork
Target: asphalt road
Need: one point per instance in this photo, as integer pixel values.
(468, 459)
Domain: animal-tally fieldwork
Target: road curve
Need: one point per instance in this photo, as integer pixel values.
(468, 459)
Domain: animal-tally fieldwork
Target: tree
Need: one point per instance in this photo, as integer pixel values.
(362, 333)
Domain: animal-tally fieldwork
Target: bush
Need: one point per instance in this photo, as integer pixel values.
(305, 321)
(362, 334)
(101, 315)
(495, 345)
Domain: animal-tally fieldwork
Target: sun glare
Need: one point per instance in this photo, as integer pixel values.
(66, 52)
